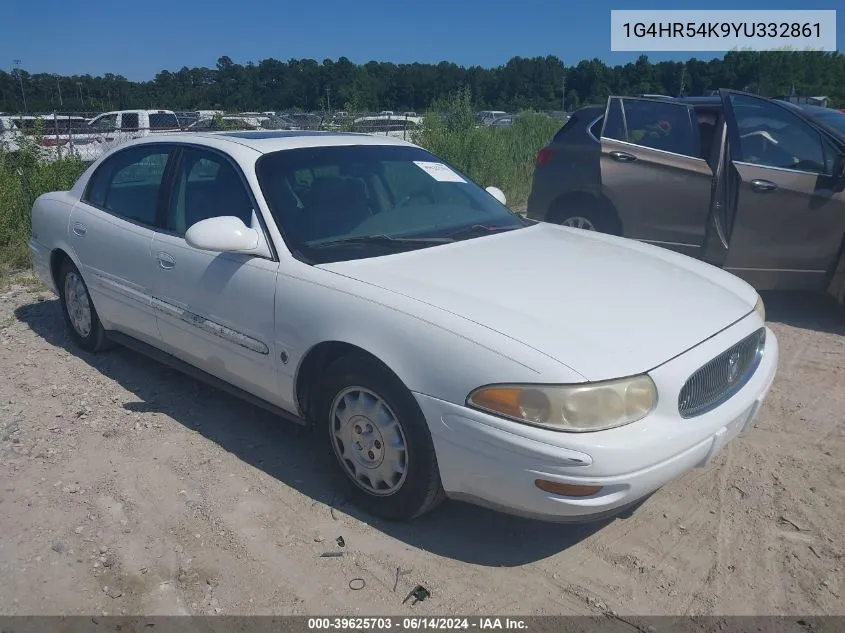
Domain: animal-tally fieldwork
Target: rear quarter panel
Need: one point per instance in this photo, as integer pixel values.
(49, 231)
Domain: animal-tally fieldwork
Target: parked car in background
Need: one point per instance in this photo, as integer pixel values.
(227, 122)
(422, 377)
(390, 125)
(55, 135)
(305, 120)
(753, 185)
(486, 117)
(186, 118)
(504, 121)
(124, 125)
(280, 123)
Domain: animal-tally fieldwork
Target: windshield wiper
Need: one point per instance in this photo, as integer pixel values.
(384, 240)
(480, 229)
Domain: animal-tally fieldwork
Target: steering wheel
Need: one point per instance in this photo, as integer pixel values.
(415, 195)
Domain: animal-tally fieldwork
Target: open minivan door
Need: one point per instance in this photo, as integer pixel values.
(784, 199)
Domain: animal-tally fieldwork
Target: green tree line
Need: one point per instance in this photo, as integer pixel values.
(522, 83)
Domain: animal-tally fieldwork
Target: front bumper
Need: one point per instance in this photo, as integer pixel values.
(494, 462)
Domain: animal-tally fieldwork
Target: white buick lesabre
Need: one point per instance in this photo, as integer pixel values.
(441, 345)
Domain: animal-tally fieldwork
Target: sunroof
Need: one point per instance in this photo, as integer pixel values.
(262, 134)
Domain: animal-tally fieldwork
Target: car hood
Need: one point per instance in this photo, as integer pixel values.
(605, 307)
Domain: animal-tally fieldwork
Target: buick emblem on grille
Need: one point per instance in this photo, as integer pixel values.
(733, 367)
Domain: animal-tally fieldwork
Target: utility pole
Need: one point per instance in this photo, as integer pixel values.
(683, 75)
(328, 99)
(563, 89)
(17, 63)
(59, 88)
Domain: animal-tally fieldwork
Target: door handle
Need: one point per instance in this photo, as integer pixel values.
(165, 260)
(622, 157)
(763, 186)
(79, 229)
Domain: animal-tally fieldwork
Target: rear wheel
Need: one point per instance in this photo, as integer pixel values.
(379, 439)
(78, 309)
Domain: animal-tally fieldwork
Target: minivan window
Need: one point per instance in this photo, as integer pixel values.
(657, 125)
(772, 136)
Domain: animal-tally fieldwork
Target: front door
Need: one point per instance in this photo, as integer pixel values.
(215, 310)
(111, 231)
(786, 219)
(655, 172)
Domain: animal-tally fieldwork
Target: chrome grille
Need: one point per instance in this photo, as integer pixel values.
(722, 377)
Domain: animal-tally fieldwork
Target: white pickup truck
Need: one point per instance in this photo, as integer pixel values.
(114, 128)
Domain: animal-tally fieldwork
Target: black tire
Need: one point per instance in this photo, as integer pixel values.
(600, 218)
(94, 340)
(421, 489)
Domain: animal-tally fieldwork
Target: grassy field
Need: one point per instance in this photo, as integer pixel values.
(22, 179)
(498, 156)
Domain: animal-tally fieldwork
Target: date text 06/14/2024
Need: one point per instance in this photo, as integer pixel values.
(416, 624)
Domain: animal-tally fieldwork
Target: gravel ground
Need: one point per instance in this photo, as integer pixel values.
(128, 488)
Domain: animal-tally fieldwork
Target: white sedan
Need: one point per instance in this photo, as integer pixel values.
(439, 343)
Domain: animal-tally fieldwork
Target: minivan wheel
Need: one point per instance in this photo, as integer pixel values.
(78, 309)
(587, 213)
(378, 439)
(579, 222)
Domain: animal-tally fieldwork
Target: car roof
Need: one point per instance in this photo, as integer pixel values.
(265, 141)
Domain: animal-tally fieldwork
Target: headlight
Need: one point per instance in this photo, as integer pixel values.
(760, 309)
(572, 408)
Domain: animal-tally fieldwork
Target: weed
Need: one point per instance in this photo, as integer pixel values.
(501, 156)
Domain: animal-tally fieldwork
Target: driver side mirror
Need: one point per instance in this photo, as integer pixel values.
(498, 194)
(225, 234)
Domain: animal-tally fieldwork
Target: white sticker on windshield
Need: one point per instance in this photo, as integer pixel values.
(438, 171)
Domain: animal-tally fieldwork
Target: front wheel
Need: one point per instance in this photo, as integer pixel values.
(379, 439)
(588, 215)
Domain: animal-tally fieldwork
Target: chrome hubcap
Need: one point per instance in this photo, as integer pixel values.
(579, 222)
(78, 305)
(369, 442)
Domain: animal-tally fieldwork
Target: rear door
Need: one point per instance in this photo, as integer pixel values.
(787, 221)
(111, 231)
(654, 171)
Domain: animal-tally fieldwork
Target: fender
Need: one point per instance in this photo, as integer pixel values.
(836, 287)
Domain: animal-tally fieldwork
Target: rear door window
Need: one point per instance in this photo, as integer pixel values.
(127, 184)
(659, 125)
(129, 122)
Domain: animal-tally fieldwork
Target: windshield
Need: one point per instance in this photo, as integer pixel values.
(325, 198)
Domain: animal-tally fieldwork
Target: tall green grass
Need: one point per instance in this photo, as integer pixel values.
(492, 156)
(25, 175)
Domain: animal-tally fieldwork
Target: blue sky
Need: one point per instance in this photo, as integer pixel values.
(138, 38)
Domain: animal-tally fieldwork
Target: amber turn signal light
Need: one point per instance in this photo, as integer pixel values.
(566, 490)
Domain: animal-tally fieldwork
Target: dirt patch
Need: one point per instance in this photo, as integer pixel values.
(130, 488)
